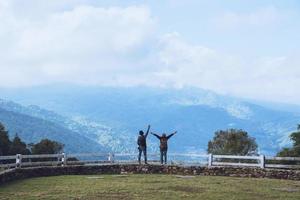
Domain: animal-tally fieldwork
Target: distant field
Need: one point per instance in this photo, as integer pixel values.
(150, 187)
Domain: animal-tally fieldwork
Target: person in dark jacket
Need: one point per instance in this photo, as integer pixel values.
(163, 145)
(142, 145)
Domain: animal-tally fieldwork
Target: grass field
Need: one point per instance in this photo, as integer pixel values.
(150, 187)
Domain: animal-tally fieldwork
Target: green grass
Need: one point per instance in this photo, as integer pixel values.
(150, 187)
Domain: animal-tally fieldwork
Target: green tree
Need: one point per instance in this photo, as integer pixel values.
(18, 147)
(287, 152)
(232, 142)
(4, 141)
(47, 146)
(294, 151)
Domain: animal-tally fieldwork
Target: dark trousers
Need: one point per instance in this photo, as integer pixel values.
(142, 150)
(163, 156)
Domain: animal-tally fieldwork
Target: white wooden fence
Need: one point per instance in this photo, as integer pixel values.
(209, 160)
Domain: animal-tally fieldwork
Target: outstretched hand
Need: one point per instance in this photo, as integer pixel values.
(175, 132)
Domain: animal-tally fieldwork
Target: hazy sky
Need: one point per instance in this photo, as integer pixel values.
(243, 48)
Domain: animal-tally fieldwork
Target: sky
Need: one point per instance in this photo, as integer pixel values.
(248, 49)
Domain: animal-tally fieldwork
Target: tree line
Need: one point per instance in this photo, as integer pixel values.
(17, 146)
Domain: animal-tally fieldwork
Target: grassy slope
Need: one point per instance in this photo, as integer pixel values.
(150, 187)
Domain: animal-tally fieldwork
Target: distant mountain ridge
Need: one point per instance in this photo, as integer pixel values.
(33, 124)
(113, 116)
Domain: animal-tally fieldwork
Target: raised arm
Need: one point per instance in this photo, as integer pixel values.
(158, 137)
(147, 131)
(169, 136)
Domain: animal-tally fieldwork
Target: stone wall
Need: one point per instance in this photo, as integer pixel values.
(23, 173)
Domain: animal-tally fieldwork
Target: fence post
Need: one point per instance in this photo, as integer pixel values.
(64, 159)
(210, 160)
(18, 160)
(262, 161)
(111, 157)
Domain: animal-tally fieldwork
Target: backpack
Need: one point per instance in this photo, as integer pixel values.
(141, 141)
(163, 143)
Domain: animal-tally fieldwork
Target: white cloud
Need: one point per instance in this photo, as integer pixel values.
(271, 78)
(262, 17)
(195, 65)
(84, 44)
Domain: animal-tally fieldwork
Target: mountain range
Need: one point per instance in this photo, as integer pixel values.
(109, 118)
(32, 124)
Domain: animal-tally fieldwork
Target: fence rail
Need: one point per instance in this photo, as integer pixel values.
(235, 164)
(7, 157)
(43, 156)
(280, 162)
(209, 160)
(237, 157)
(283, 158)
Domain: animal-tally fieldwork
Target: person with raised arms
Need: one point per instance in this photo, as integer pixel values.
(163, 145)
(142, 145)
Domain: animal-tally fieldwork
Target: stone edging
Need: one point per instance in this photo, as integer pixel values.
(22, 173)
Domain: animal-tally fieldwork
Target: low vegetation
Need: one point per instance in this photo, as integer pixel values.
(150, 187)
